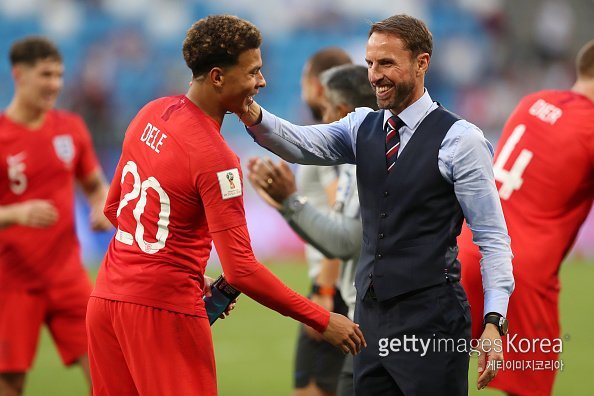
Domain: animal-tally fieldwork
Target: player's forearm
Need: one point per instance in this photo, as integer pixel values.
(250, 277)
(264, 287)
(7, 216)
(95, 188)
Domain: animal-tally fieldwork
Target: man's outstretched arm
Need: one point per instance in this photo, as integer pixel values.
(323, 144)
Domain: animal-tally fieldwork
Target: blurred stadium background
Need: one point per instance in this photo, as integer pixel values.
(120, 54)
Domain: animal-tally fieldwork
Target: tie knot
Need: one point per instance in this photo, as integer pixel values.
(394, 122)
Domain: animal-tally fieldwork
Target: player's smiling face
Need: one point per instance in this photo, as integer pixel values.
(40, 84)
(242, 81)
(391, 70)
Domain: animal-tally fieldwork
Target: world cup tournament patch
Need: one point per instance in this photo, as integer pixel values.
(230, 183)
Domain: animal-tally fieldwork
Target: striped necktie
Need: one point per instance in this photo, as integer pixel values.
(392, 141)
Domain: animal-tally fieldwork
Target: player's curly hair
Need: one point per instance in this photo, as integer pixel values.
(31, 49)
(412, 31)
(218, 40)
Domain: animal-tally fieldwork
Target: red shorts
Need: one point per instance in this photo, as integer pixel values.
(140, 350)
(530, 366)
(22, 313)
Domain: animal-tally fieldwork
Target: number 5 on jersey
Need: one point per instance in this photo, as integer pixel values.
(140, 189)
(511, 180)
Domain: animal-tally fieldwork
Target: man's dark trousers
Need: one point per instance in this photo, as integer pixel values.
(432, 314)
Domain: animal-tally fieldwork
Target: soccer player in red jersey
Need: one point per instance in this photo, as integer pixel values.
(42, 153)
(544, 167)
(177, 188)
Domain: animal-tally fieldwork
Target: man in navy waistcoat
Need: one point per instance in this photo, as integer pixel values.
(420, 171)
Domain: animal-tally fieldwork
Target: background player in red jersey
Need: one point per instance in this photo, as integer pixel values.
(177, 188)
(42, 153)
(544, 167)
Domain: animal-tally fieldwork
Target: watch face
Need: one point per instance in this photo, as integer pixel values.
(298, 203)
(503, 326)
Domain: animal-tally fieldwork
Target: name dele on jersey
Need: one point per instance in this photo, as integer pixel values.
(153, 137)
(229, 183)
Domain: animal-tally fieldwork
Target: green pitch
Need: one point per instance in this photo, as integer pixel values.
(255, 346)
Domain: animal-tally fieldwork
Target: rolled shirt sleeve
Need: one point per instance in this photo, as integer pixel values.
(465, 159)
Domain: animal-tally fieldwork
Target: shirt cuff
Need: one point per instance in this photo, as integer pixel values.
(267, 123)
(496, 301)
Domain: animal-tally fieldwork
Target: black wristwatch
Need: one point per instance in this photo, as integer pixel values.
(293, 204)
(498, 320)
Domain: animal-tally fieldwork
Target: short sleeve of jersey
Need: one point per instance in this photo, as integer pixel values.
(220, 185)
(87, 159)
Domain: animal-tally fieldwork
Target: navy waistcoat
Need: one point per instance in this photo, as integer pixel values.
(411, 216)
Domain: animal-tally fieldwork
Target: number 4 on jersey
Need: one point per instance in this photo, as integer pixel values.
(140, 189)
(511, 180)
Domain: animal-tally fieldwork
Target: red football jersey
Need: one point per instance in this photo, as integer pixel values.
(544, 168)
(42, 164)
(177, 181)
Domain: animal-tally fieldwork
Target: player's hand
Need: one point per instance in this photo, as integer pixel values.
(326, 302)
(491, 355)
(344, 334)
(98, 220)
(257, 177)
(38, 213)
(208, 281)
(230, 308)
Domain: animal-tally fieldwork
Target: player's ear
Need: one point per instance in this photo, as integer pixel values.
(423, 60)
(217, 77)
(17, 72)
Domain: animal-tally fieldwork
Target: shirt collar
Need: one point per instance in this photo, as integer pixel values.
(413, 114)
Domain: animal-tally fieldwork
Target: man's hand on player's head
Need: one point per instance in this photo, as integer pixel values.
(344, 334)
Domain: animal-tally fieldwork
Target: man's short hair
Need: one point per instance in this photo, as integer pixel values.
(327, 58)
(349, 85)
(585, 61)
(31, 49)
(217, 41)
(412, 31)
